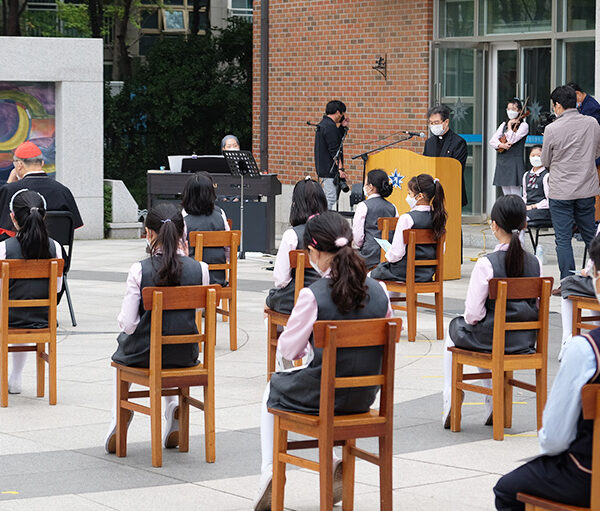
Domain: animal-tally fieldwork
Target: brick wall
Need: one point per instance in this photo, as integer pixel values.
(322, 50)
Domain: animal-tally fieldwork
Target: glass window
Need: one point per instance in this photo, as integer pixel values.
(507, 81)
(580, 64)
(457, 71)
(174, 20)
(241, 4)
(581, 14)
(536, 80)
(457, 18)
(513, 16)
(149, 19)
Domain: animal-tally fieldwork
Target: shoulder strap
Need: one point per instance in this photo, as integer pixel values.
(596, 350)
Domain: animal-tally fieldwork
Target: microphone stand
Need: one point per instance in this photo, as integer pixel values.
(336, 161)
(365, 155)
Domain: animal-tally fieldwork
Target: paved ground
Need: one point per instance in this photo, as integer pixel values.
(53, 457)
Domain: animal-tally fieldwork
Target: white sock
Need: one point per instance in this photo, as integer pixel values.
(566, 309)
(447, 393)
(266, 432)
(487, 382)
(18, 363)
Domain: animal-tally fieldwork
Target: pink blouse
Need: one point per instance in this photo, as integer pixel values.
(543, 204)
(512, 137)
(282, 272)
(294, 341)
(398, 250)
(129, 316)
(358, 223)
(479, 287)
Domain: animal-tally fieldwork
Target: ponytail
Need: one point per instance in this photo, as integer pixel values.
(330, 232)
(433, 192)
(166, 220)
(510, 215)
(29, 209)
(515, 256)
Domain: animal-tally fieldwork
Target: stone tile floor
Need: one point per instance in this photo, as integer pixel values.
(52, 457)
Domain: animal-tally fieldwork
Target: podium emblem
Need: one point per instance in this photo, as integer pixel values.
(396, 179)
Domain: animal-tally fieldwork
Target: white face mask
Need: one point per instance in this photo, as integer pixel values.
(316, 267)
(437, 129)
(536, 161)
(512, 114)
(412, 201)
(365, 192)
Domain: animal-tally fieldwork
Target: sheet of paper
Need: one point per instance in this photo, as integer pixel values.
(384, 244)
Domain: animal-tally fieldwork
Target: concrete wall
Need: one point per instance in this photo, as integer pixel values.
(75, 65)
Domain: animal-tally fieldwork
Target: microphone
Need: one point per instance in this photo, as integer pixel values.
(413, 133)
(312, 124)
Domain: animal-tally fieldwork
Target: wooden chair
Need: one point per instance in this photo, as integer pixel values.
(171, 382)
(412, 289)
(18, 269)
(386, 224)
(298, 259)
(329, 429)
(228, 294)
(581, 303)
(501, 365)
(590, 400)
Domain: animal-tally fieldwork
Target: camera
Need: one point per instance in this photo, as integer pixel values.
(341, 183)
(545, 119)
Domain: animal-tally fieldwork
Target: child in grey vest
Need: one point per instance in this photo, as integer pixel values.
(344, 292)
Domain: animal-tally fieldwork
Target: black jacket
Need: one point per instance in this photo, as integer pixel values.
(452, 146)
(327, 141)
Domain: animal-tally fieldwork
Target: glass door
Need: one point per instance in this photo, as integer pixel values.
(535, 85)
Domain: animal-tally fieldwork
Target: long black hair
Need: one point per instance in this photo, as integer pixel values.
(381, 182)
(29, 208)
(434, 193)
(330, 232)
(308, 199)
(510, 215)
(166, 221)
(199, 194)
(513, 101)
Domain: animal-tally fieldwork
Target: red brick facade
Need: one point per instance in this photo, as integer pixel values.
(322, 50)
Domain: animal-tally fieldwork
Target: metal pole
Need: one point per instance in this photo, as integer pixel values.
(264, 85)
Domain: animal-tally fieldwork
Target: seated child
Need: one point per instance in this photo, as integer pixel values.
(535, 190)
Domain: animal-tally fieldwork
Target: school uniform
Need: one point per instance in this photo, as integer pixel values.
(510, 164)
(134, 340)
(420, 217)
(22, 289)
(563, 472)
(535, 193)
(216, 221)
(299, 391)
(281, 297)
(364, 226)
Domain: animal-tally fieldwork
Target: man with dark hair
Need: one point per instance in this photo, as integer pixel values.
(586, 104)
(444, 142)
(563, 472)
(328, 139)
(571, 146)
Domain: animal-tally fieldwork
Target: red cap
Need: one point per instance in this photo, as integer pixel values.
(27, 150)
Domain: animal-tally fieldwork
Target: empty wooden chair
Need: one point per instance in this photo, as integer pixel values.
(298, 259)
(14, 269)
(328, 429)
(501, 365)
(228, 294)
(169, 382)
(412, 289)
(581, 303)
(590, 400)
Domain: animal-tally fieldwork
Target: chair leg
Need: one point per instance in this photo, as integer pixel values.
(52, 372)
(225, 307)
(69, 302)
(233, 323)
(411, 316)
(155, 425)
(3, 374)
(122, 416)
(439, 315)
(541, 388)
(348, 465)
(385, 473)
(326, 473)
(456, 402)
(576, 330)
(533, 244)
(40, 369)
(278, 484)
(498, 403)
(184, 419)
(271, 347)
(508, 400)
(209, 424)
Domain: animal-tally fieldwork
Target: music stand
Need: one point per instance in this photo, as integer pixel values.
(241, 163)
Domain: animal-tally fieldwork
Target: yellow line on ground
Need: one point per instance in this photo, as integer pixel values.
(522, 434)
(9, 492)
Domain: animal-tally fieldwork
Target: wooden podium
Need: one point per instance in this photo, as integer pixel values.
(401, 165)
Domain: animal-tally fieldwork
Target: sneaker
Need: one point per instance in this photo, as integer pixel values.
(15, 387)
(448, 414)
(110, 444)
(490, 420)
(557, 291)
(171, 436)
(262, 502)
(337, 481)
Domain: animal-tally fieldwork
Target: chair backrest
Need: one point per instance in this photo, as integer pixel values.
(227, 239)
(386, 224)
(333, 335)
(61, 228)
(298, 260)
(414, 237)
(230, 223)
(160, 299)
(17, 269)
(590, 400)
(520, 288)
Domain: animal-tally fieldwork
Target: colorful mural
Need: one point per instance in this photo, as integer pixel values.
(27, 112)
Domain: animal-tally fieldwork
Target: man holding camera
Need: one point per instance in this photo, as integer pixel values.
(571, 145)
(328, 141)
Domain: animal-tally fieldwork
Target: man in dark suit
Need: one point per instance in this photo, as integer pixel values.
(328, 139)
(444, 142)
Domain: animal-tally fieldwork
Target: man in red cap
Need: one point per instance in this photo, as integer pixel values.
(28, 173)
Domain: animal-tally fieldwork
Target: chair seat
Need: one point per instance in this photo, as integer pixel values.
(533, 360)
(547, 504)
(585, 300)
(181, 376)
(340, 421)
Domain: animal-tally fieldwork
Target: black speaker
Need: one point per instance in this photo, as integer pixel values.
(356, 195)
